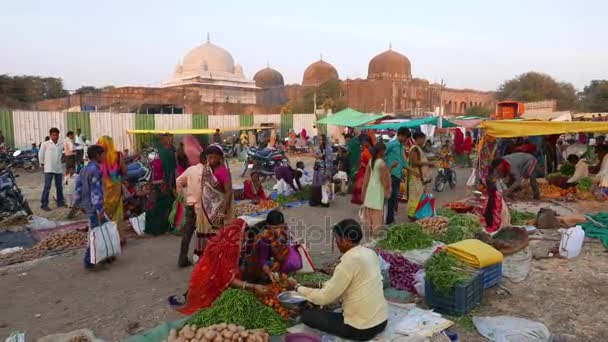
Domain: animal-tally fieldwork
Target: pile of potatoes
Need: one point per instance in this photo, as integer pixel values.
(217, 333)
(61, 241)
(434, 225)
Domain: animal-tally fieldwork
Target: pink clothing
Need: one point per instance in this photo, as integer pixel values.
(191, 180)
(193, 149)
(158, 174)
(222, 174)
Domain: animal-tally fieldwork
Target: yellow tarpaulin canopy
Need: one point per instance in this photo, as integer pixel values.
(512, 129)
(191, 131)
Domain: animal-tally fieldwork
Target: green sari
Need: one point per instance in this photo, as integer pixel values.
(354, 155)
(157, 217)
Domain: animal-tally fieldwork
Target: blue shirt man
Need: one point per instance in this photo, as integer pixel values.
(395, 159)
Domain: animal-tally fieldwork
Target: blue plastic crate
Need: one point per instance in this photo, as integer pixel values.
(464, 297)
(491, 275)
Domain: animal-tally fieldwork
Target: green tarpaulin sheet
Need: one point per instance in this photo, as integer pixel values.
(594, 231)
(433, 120)
(349, 118)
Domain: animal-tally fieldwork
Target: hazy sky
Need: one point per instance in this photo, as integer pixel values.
(473, 44)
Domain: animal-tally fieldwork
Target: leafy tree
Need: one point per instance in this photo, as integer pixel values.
(87, 90)
(21, 91)
(329, 96)
(478, 111)
(594, 97)
(534, 86)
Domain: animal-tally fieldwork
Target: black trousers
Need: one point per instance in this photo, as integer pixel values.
(187, 237)
(333, 323)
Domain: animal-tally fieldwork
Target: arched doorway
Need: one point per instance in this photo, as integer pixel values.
(463, 107)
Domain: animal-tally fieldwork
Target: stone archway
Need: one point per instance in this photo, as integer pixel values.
(463, 107)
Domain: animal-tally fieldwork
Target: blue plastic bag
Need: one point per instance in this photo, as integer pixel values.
(426, 207)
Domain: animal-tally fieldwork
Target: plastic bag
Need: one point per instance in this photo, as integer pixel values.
(516, 267)
(426, 207)
(511, 329)
(139, 224)
(419, 282)
(472, 179)
(104, 242)
(384, 266)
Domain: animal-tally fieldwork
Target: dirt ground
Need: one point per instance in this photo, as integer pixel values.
(56, 294)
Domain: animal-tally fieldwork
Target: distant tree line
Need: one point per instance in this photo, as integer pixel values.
(21, 91)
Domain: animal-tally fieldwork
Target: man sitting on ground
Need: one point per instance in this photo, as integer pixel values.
(358, 281)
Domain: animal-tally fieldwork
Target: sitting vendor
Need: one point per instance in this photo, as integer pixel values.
(273, 252)
(357, 280)
(253, 189)
(581, 170)
(220, 267)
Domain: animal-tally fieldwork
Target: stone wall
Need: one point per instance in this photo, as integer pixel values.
(456, 101)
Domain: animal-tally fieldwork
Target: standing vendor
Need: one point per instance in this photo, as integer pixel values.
(517, 166)
(358, 282)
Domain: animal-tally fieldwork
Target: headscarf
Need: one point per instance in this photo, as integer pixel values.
(110, 167)
(217, 268)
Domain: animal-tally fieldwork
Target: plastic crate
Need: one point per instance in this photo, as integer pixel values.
(463, 299)
(491, 275)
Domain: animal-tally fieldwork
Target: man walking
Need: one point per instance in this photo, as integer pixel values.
(395, 159)
(50, 160)
(191, 180)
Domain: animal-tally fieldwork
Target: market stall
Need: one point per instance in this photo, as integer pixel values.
(346, 118)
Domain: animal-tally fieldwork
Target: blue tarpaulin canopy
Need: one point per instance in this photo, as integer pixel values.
(349, 118)
(432, 120)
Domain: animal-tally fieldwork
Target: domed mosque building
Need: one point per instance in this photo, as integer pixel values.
(211, 69)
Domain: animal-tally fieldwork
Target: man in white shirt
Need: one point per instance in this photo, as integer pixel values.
(69, 155)
(357, 280)
(191, 181)
(79, 149)
(50, 160)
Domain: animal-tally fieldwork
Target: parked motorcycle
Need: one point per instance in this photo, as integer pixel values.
(27, 160)
(12, 201)
(264, 160)
(230, 150)
(445, 176)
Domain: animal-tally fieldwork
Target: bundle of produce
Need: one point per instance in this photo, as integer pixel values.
(401, 272)
(444, 271)
(434, 225)
(311, 279)
(585, 184)
(242, 308)
(446, 212)
(551, 191)
(405, 237)
(270, 298)
(302, 195)
(267, 205)
(460, 227)
(567, 169)
(218, 332)
(521, 218)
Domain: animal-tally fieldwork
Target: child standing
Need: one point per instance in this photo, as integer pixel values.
(88, 195)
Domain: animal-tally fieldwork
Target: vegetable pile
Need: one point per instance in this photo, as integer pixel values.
(567, 169)
(434, 225)
(459, 207)
(520, 218)
(585, 184)
(460, 227)
(271, 297)
(218, 332)
(405, 237)
(444, 271)
(401, 272)
(302, 195)
(313, 279)
(241, 308)
(250, 208)
(446, 212)
(53, 243)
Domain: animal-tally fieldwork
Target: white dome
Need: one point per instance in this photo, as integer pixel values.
(208, 58)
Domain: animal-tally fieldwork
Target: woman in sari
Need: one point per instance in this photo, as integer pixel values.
(354, 154)
(459, 146)
(496, 213)
(487, 152)
(322, 168)
(220, 267)
(113, 169)
(217, 197)
(163, 181)
(419, 175)
(366, 156)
